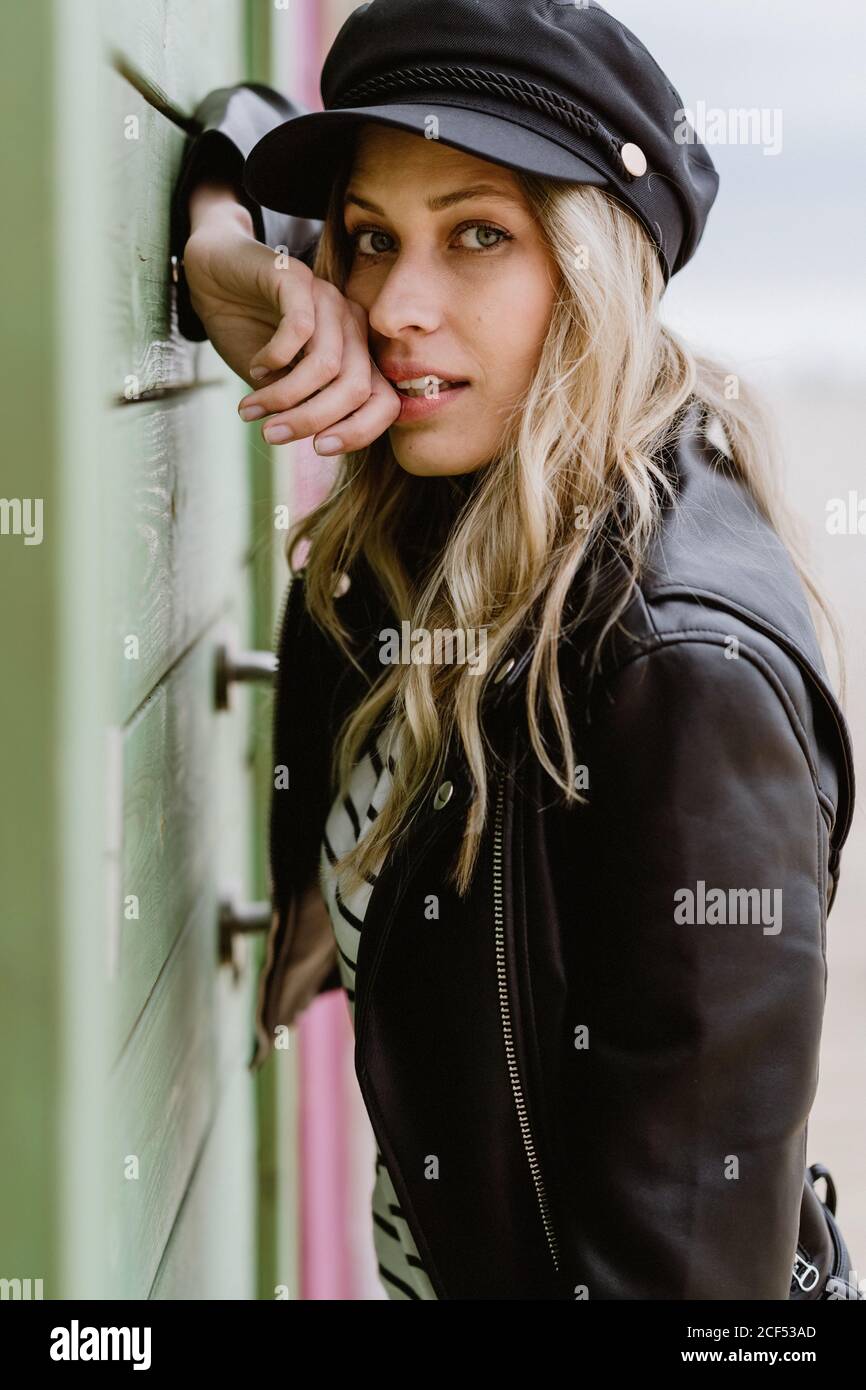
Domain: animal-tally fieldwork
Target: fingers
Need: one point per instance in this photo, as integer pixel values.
(321, 363)
(335, 391)
(343, 396)
(363, 426)
(295, 295)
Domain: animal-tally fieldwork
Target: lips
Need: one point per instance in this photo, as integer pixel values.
(414, 379)
(416, 409)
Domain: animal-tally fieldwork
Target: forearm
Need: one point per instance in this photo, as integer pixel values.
(230, 121)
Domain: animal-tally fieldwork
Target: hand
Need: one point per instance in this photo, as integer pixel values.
(261, 318)
(336, 392)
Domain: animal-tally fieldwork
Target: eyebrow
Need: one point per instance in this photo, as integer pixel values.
(443, 201)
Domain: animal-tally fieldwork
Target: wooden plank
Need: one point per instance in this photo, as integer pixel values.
(186, 48)
(186, 805)
(177, 517)
(178, 506)
(211, 1253)
(180, 1022)
(165, 1098)
(278, 56)
(31, 696)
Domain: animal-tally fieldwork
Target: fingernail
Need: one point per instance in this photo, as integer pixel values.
(278, 434)
(252, 412)
(258, 372)
(331, 444)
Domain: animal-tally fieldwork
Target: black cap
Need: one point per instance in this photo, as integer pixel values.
(554, 87)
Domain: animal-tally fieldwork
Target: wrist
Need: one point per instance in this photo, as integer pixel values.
(218, 202)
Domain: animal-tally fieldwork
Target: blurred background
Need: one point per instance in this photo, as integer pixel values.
(141, 1158)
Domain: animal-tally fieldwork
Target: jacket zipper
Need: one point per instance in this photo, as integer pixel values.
(804, 1270)
(505, 1014)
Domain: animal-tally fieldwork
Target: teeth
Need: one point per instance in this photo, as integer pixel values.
(419, 383)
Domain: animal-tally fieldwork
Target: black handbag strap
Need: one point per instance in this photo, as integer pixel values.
(820, 1170)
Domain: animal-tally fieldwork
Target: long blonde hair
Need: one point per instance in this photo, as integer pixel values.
(499, 548)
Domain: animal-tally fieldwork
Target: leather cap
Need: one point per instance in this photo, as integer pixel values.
(553, 87)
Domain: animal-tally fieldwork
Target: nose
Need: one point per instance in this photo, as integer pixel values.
(410, 297)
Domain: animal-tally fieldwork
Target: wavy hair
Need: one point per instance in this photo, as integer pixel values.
(500, 547)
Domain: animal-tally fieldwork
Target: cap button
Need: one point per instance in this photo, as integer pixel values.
(634, 160)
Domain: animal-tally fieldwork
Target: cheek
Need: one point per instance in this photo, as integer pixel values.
(535, 294)
(354, 289)
(363, 284)
(511, 325)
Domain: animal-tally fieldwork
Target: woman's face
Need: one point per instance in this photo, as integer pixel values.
(457, 283)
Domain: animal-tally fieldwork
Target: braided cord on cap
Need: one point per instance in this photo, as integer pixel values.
(501, 84)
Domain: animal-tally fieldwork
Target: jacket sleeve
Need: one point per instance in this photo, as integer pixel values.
(229, 122)
(696, 896)
(301, 952)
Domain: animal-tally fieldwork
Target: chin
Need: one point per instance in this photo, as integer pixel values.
(439, 462)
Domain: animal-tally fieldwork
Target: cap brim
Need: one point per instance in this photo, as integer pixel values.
(292, 168)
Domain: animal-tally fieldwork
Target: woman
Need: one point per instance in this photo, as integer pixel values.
(560, 782)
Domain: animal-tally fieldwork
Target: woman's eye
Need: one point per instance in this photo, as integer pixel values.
(483, 230)
(372, 241)
(373, 232)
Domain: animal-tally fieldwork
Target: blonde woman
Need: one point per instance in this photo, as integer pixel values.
(561, 783)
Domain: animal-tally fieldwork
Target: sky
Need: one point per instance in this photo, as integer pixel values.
(779, 279)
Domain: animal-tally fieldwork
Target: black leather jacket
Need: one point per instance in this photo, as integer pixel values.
(618, 1098)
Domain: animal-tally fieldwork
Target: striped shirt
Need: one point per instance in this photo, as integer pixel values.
(400, 1269)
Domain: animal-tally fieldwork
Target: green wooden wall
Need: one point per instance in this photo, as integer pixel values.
(141, 1158)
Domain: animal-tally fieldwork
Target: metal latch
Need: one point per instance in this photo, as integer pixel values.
(237, 920)
(234, 666)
